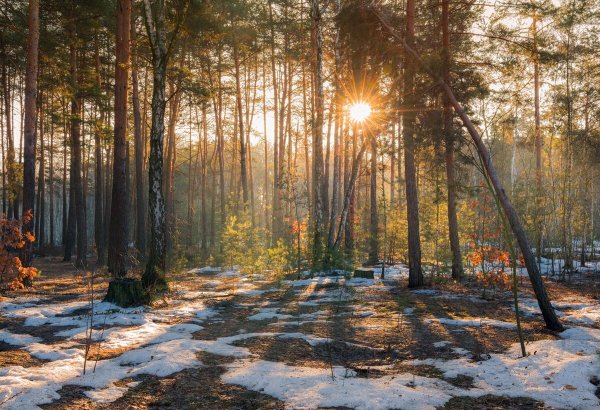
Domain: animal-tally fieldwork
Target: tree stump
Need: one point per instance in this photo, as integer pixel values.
(126, 293)
(365, 273)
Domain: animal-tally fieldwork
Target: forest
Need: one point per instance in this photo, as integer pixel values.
(300, 204)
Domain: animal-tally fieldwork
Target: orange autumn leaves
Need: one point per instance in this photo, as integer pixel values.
(491, 263)
(13, 275)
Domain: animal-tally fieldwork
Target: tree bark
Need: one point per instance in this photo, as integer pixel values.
(154, 278)
(10, 145)
(276, 212)
(98, 174)
(317, 166)
(41, 212)
(457, 267)
(31, 76)
(242, 133)
(140, 220)
(374, 217)
(538, 145)
(51, 181)
(77, 205)
(415, 275)
(118, 258)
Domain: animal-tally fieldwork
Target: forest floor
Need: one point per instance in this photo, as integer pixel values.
(222, 340)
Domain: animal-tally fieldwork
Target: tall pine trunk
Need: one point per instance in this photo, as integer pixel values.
(140, 214)
(317, 166)
(98, 175)
(118, 258)
(77, 184)
(457, 267)
(415, 274)
(31, 76)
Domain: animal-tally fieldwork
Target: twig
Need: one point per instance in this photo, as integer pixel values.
(88, 333)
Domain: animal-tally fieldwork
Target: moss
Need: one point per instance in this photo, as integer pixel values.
(126, 293)
(154, 281)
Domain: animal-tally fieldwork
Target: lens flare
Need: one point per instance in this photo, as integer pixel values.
(360, 111)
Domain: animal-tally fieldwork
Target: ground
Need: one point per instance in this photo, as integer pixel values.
(225, 340)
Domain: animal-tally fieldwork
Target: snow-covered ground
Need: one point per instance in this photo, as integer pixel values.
(161, 342)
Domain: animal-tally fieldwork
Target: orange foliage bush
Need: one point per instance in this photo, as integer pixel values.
(13, 275)
(492, 264)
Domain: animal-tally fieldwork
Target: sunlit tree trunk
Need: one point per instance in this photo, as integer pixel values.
(241, 130)
(538, 220)
(140, 214)
(317, 169)
(276, 211)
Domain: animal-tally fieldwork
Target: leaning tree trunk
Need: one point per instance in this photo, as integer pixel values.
(537, 283)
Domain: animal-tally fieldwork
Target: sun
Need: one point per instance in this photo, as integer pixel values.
(359, 111)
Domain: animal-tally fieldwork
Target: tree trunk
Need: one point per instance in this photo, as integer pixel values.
(65, 211)
(348, 197)
(242, 133)
(140, 215)
(276, 212)
(77, 183)
(374, 217)
(538, 146)
(31, 76)
(457, 267)
(317, 166)
(174, 103)
(415, 275)
(10, 145)
(51, 181)
(40, 215)
(154, 277)
(118, 258)
(337, 136)
(98, 177)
